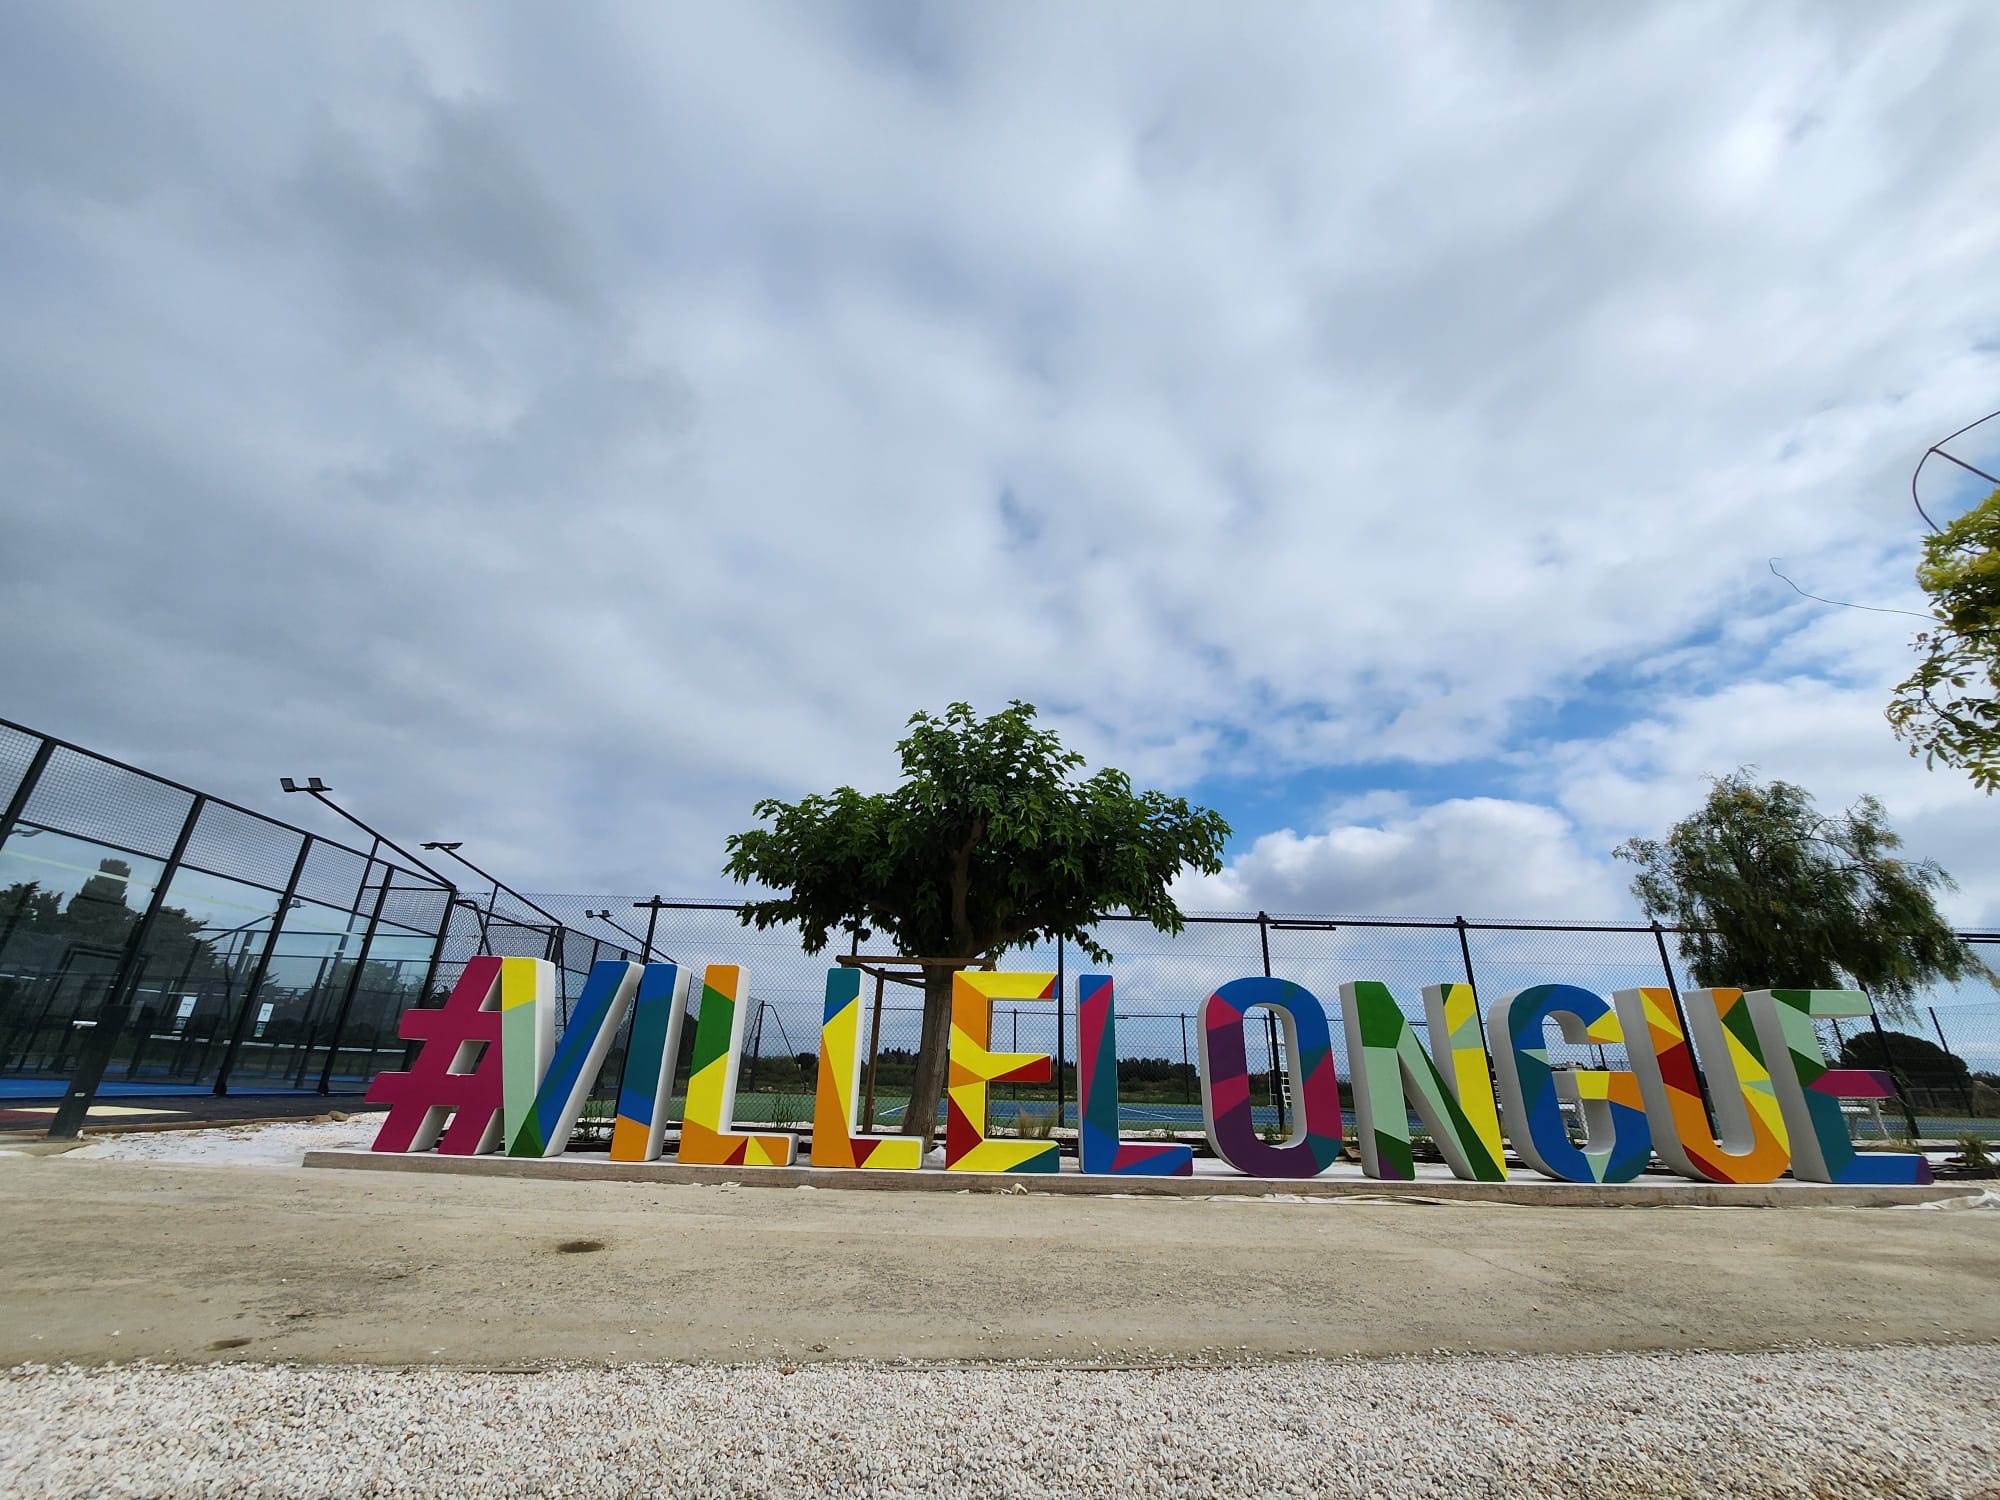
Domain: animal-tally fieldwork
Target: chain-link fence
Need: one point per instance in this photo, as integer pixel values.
(1951, 1085)
(173, 942)
(201, 946)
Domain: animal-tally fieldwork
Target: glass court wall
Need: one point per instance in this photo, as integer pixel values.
(241, 952)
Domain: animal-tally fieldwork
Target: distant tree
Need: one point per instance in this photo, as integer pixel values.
(1917, 1061)
(1948, 710)
(1770, 893)
(98, 918)
(26, 907)
(379, 981)
(992, 841)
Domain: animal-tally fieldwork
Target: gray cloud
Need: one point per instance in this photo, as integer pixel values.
(559, 430)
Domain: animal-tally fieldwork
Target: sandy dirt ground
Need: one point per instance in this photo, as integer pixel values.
(114, 1260)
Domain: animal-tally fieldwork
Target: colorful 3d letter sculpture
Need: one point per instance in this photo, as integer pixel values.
(1392, 1071)
(1809, 1092)
(834, 1143)
(1225, 1080)
(579, 1057)
(489, 1072)
(1617, 1144)
(707, 1136)
(527, 1035)
(648, 1082)
(1752, 1146)
(974, 1069)
(455, 1076)
(1097, 1143)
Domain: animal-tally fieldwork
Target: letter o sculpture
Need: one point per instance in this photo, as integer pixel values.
(1225, 1080)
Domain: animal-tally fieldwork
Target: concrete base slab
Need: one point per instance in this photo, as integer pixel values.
(1340, 1182)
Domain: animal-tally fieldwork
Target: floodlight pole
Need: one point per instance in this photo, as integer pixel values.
(646, 943)
(318, 790)
(498, 884)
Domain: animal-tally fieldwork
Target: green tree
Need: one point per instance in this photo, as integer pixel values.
(1768, 892)
(27, 905)
(1916, 1061)
(1948, 710)
(993, 840)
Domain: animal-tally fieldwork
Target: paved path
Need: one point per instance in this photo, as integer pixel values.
(119, 1260)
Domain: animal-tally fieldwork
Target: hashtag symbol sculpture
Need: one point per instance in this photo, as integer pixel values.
(455, 1075)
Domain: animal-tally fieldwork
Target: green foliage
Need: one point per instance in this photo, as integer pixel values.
(1034, 1125)
(1948, 710)
(1973, 1158)
(27, 904)
(1768, 892)
(991, 841)
(1919, 1063)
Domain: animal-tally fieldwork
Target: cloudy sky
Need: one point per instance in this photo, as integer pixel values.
(559, 427)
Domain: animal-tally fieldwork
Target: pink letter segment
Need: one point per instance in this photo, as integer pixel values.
(455, 1074)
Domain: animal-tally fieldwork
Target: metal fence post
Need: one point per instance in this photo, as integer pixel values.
(1465, 957)
(1062, 1098)
(756, 1050)
(874, 1054)
(1187, 1068)
(241, 1024)
(652, 921)
(68, 1123)
(452, 902)
(1965, 1089)
(354, 979)
(1680, 1012)
(18, 803)
(1270, 1022)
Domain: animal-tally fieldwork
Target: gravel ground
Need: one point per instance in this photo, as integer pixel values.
(1888, 1421)
(260, 1145)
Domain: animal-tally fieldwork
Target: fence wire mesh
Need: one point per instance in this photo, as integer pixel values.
(201, 946)
(251, 954)
(1160, 980)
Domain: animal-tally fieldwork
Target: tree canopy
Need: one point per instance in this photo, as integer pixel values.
(1769, 892)
(991, 841)
(1948, 710)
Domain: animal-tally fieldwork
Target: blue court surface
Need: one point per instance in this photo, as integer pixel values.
(55, 1088)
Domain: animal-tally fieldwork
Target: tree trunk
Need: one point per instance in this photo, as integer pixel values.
(933, 1057)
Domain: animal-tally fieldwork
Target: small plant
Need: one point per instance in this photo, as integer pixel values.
(1974, 1160)
(1038, 1126)
(791, 1112)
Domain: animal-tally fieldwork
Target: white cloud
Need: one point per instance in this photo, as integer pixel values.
(560, 431)
(1475, 856)
(1829, 739)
